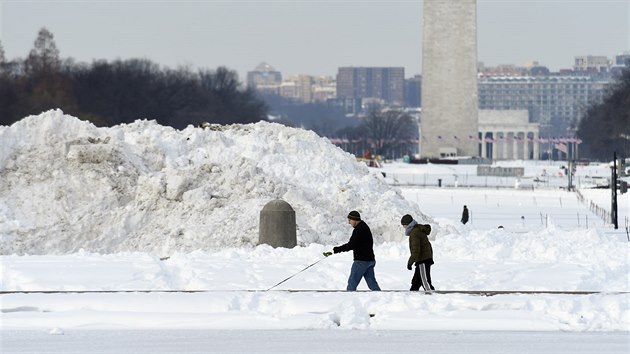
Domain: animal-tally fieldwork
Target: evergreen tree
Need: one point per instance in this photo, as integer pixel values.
(44, 57)
(2, 58)
(44, 85)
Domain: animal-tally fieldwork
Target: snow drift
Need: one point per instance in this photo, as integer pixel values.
(69, 185)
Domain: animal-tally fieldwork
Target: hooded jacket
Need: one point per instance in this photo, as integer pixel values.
(419, 245)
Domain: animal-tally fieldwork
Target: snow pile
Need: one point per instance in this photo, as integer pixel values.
(68, 185)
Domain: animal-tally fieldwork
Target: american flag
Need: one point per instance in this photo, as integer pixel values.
(561, 147)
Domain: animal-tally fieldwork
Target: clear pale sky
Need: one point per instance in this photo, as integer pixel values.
(309, 36)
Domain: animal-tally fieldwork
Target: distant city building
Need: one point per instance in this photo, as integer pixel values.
(307, 88)
(288, 89)
(324, 88)
(502, 70)
(413, 91)
(591, 63)
(299, 88)
(263, 75)
(556, 102)
(623, 59)
(304, 84)
(268, 89)
(539, 70)
(621, 63)
(529, 69)
(381, 83)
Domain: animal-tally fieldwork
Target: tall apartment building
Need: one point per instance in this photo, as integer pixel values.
(555, 102)
(413, 91)
(382, 83)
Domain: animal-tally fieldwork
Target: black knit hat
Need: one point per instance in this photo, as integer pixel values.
(406, 219)
(354, 215)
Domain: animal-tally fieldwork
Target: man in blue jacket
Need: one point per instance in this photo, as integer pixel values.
(361, 244)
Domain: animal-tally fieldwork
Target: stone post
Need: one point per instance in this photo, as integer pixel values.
(277, 225)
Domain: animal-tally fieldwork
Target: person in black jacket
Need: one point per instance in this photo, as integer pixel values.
(361, 244)
(465, 215)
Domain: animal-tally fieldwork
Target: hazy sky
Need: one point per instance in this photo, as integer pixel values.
(309, 36)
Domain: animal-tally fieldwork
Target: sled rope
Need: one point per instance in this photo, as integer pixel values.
(310, 265)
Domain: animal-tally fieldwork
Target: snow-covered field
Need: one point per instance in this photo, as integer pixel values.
(116, 219)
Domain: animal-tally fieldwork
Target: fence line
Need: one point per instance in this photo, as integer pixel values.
(600, 211)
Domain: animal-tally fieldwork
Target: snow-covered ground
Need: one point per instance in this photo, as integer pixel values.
(314, 341)
(95, 212)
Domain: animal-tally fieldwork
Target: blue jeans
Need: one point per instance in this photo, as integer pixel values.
(362, 269)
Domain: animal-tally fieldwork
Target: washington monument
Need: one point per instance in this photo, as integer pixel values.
(449, 79)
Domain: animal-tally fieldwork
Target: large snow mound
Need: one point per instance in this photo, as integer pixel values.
(69, 185)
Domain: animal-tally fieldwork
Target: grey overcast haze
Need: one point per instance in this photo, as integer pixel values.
(308, 36)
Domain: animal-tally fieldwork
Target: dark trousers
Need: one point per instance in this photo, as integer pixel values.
(422, 276)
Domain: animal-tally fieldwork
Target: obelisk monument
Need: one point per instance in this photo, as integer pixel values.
(449, 79)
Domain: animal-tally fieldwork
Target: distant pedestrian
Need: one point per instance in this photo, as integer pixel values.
(421, 253)
(465, 215)
(361, 244)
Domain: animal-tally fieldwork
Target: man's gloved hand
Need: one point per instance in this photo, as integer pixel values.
(326, 254)
(409, 266)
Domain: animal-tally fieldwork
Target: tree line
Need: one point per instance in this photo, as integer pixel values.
(606, 126)
(121, 91)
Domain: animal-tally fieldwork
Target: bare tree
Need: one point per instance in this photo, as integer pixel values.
(386, 128)
(224, 100)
